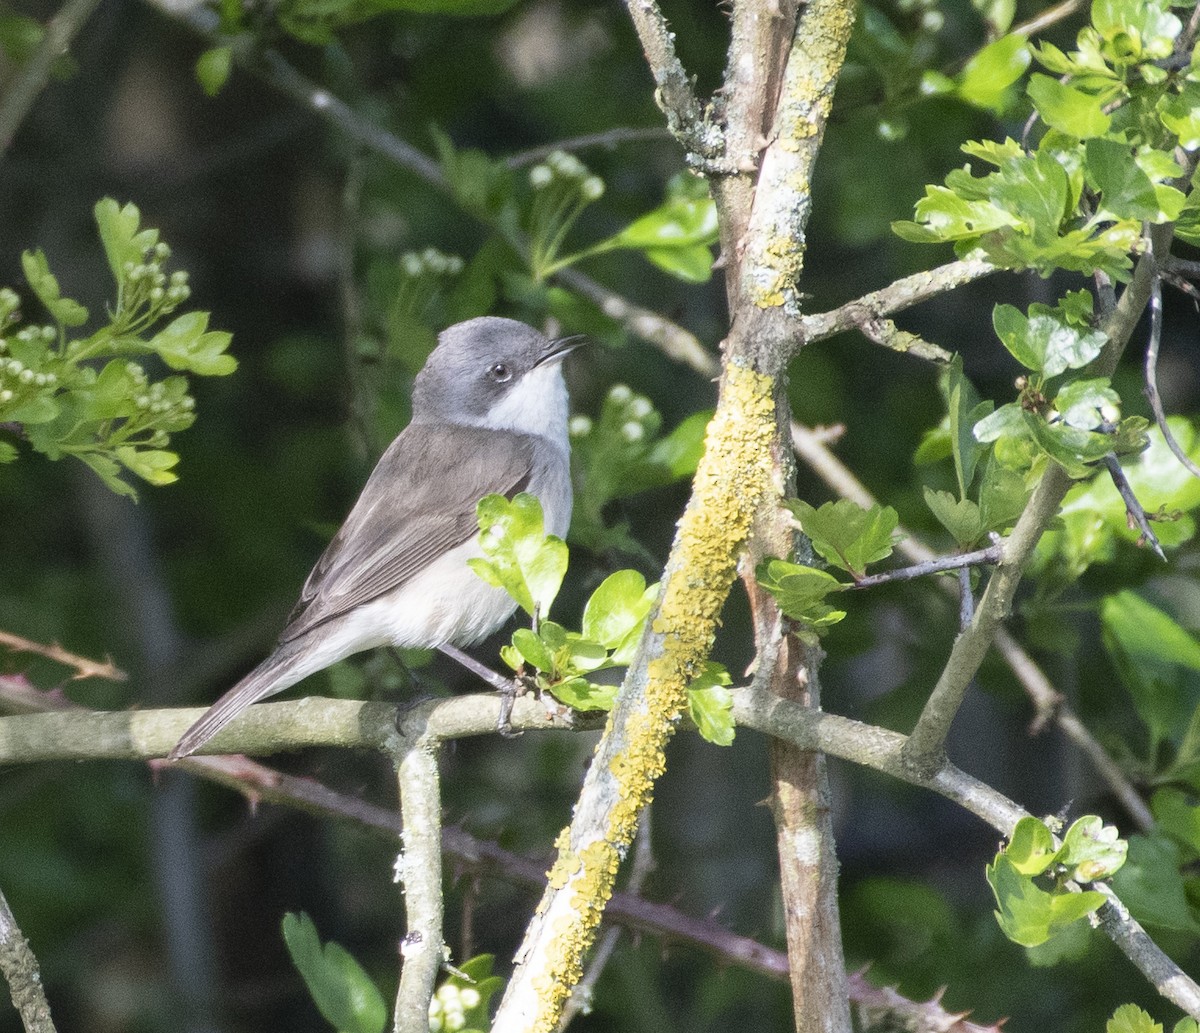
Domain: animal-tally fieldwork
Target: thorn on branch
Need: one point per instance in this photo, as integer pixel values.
(1134, 510)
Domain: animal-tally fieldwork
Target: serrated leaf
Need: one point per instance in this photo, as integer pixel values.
(964, 409)
(109, 471)
(518, 555)
(1031, 847)
(1088, 404)
(1007, 421)
(1092, 850)
(186, 343)
(1129, 1018)
(1073, 449)
(846, 535)
(1028, 914)
(533, 650)
(152, 465)
(581, 694)
(1048, 340)
(800, 591)
(961, 517)
(710, 704)
(339, 986)
(123, 241)
(44, 284)
(1068, 108)
(1126, 192)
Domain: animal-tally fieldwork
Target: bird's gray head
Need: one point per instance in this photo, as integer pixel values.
(495, 373)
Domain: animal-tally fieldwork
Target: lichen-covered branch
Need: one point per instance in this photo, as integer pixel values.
(672, 88)
(733, 478)
(419, 871)
(20, 969)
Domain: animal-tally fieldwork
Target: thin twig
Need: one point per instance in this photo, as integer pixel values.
(20, 969)
(1046, 18)
(992, 554)
(84, 668)
(1151, 371)
(1134, 510)
(1048, 702)
(493, 678)
(966, 599)
(20, 94)
(886, 333)
(896, 297)
(608, 139)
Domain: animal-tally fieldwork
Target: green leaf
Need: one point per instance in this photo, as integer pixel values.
(533, 650)
(1029, 915)
(123, 241)
(1180, 113)
(961, 517)
(186, 343)
(1177, 816)
(109, 471)
(846, 535)
(1003, 494)
(1048, 340)
(1129, 1018)
(1126, 192)
(213, 68)
(617, 608)
(8, 452)
(1068, 108)
(987, 79)
(679, 453)
(1135, 30)
(1008, 420)
(1088, 404)
(1151, 886)
(152, 465)
(944, 216)
(1031, 847)
(1186, 1025)
(799, 590)
(710, 704)
(676, 237)
(1092, 850)
(40, 408)
(1073, 449)
(690, 264)
(518, 555)
(339, 986)
(45, 286)
(114, 394)
(1151, 652)
(581, 694)
(965, 409)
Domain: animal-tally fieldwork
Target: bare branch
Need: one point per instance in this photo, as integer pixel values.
(84, 668)
(992, 554)
(896, 297)
(20, 969)
(609, 139)
(1134, 511)
(20, 94)
(1050, 16)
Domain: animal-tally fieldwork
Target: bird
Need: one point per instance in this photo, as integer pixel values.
(489, 415)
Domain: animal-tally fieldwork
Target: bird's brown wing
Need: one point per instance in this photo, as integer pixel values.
(418, 503)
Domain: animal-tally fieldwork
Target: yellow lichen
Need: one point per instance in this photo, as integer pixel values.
(734, 477)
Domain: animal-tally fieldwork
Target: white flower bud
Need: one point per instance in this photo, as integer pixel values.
(592, 188)
(412, 265)
(540, 176)
(469, 997)
(640, 407)
(6, 395)
(579, 426)
(620, 393)
(26, 376)
(632, 432)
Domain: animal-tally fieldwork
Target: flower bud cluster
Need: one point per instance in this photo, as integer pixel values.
(430, 262)
(567, 170)
(145, 284)
(631, 414)
(449, 1007)
(18, 379)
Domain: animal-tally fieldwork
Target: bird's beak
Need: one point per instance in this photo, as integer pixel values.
(560, 348)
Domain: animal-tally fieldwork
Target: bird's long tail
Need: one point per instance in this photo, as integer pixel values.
(281, 670)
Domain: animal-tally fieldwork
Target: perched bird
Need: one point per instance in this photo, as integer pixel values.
(489, 416)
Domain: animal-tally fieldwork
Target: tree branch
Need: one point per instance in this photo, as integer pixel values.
(20, 970)
(18, 98)
(84, 668)
(925, 750)
(419, 869)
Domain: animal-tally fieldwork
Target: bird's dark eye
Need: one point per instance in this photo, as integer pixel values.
(500, 372)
